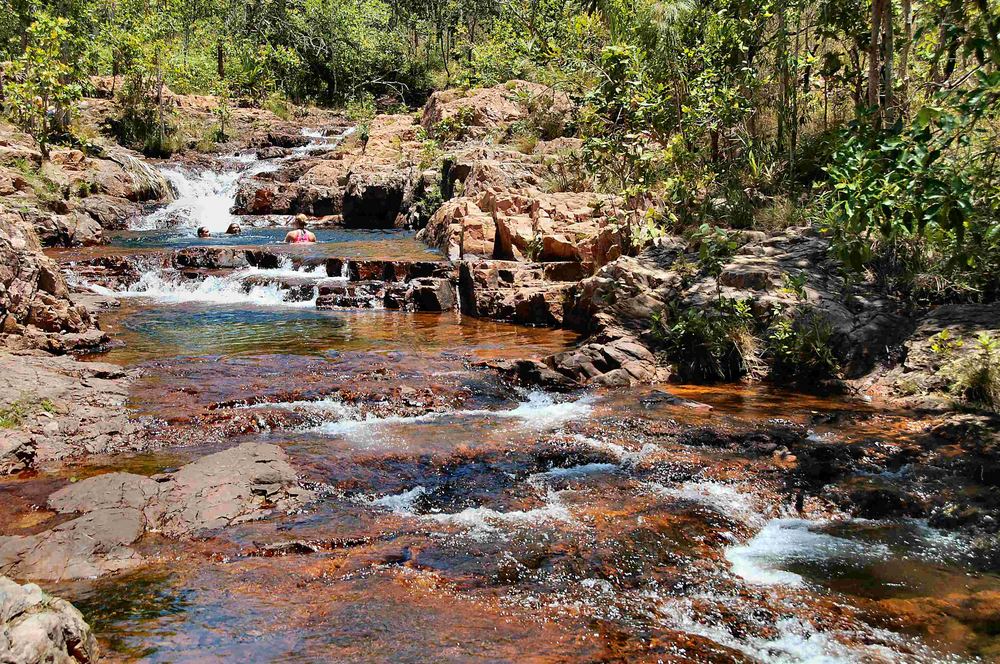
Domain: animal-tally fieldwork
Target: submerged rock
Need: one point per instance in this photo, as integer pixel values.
(36, 628)
(239, 484)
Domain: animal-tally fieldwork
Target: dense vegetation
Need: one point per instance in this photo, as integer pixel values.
(874, 119)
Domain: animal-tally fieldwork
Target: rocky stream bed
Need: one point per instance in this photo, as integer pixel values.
(383, 448)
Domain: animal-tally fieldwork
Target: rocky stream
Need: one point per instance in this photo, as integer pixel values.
(342, 452)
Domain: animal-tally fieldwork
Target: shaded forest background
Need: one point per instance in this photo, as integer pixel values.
(874, 120)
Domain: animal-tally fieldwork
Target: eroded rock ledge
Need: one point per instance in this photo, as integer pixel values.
(115, 509)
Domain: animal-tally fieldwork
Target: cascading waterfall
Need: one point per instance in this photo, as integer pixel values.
(231, 289)
(205, 197)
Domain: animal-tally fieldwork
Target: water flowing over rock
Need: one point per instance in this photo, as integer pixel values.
(36, 628)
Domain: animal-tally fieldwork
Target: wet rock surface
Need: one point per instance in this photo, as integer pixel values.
(116, 509)
(61, 408)
(36, 628)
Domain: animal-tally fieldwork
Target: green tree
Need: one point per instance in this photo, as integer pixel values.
(44, 82)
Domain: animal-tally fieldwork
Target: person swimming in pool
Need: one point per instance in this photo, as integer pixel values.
(299, 235)
(204, 232)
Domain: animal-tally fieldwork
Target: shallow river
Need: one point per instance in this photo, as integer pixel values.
(462, 520)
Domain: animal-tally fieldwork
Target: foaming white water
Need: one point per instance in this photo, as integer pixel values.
(573, 472)
(202, 198)
(400, 503)
(205, 197)
(726, 499)
(210, 290)
(625, 456)
(541, 411)
(538, 411)
(482, 522)
(788, 541)
(285, 269)
(795, 641)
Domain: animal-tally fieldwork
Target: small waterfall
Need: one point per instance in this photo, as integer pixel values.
(205, 197)
(243, 287)
(200, 199)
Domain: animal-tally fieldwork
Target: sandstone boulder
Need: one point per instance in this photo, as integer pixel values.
(34, 303)
(36, 628)
(116, 509)
(484, 109)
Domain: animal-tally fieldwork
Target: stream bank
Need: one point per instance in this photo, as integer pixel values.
(309, 453)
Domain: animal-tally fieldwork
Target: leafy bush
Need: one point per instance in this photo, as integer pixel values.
(711, 343)
(801, 347)
(974, 377)
(453, 128)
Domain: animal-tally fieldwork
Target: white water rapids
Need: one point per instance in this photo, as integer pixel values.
(205, 197)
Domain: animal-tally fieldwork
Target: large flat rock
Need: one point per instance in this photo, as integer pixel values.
(245, 482)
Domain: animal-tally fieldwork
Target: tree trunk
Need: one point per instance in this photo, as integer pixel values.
(220, 57)
(904, 57)
(874, 55)
(888, 46)
(159, 102)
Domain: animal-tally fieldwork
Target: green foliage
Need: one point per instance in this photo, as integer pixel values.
(924, 195)
(716, 342)
(794, 284)
(43, 83)
(430, 154)
(715, 246)
(454, 127)
(975, 376)
(15, 414)
(566, 172)
(44, 187)
(800, 347)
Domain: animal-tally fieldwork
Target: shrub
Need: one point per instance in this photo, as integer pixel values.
(801, 347)
(453, 128)
(975, 377)
(711, 343)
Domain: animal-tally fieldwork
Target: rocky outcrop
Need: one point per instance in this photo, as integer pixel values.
(35, 308)
(377, 180)
(61, 408)
(616, 306)
(943, 340)
(403, 285)
(371, 183)
(36, 628)
(526, 293)
(73, 197)
(478, 111)
(115, 509)
(527, 225)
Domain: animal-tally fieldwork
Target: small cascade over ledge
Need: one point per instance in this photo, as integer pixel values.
(205, 197)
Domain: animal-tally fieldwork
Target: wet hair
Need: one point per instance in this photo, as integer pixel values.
(234, 229)
(204, 232)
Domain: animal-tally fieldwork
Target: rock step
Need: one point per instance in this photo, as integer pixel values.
(418, 294)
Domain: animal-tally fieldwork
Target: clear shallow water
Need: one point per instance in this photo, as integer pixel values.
(179, 238)
(461, 519)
